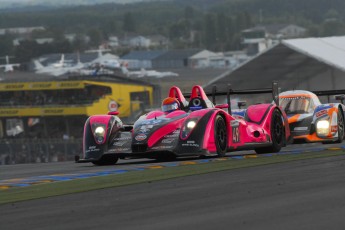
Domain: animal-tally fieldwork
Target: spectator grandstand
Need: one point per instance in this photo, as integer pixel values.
(42, 121)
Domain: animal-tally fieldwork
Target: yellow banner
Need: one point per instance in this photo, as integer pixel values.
(38, 112)
(41, 85)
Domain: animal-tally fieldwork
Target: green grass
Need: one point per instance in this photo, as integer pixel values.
(134, 177)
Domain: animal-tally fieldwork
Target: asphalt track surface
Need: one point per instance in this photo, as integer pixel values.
(42, 169)
(305, 194)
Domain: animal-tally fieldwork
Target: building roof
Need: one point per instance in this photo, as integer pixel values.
(143, 55)
(69, 57)
(206, 54)
(290, 62)
(271, 28)
(178, 54)
(330, 50)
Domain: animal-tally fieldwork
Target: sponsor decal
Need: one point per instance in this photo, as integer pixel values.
(190, 144)
(140, 137)
(238, 117)
(301, 128)
(151, 122)
(122, 138)
(8, 112)
(195, 108)
(334, 128)
(119, 144)
(118, 150)
(145, 128)
(175, 134)
(235, 134)
(40, 85)
(321, 113)
(92, 149)
(69, 84)
(53, 111)
(14, 86)
(234, 123)
(162, 147)
(171, 136)
(168, 141)
(322, 107)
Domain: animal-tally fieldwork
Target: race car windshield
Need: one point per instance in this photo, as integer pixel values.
(296, 105)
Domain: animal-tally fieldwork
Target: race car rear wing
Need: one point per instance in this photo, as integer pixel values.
(274, 90)
(338, 93)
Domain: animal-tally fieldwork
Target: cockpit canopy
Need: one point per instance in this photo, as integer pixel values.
(298, 102)
(296, 105)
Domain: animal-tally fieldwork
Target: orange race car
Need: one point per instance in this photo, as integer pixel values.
(312, 121)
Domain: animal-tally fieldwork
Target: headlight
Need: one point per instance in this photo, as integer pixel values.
(322, 127)
(188, 126)
(191, 124)
(99, 132)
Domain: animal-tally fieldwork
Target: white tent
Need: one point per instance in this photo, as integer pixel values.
(308, 63)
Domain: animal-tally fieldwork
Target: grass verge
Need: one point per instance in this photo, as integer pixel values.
(149, 175)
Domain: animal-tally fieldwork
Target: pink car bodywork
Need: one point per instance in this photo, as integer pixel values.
(199, 128)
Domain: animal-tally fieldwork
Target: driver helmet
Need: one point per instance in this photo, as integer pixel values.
(170, 104)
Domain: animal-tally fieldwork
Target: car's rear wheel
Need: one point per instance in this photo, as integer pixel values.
(221, 136)
(340, 127)
(277, 134)
(106, 160)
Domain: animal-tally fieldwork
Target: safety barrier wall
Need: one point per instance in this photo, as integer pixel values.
(19, 151)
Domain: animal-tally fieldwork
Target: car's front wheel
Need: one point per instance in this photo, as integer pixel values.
(340, 127)
(221, 136)
(106, 160)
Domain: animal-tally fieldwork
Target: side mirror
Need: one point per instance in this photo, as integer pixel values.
(241, 104)
(222, 106)
(114, 113)
(340, 97)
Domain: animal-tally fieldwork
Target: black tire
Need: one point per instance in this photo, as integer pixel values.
(106, 160)
(341, 127)
(220, 136)
(277, 134)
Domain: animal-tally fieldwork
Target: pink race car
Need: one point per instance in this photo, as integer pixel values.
(182, 128)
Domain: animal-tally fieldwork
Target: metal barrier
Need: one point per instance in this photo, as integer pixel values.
(19, 151)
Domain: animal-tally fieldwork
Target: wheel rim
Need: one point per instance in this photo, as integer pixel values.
(221, 135)
(277, 129)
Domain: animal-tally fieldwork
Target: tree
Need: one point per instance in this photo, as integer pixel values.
(210, 37)
(96, 37)
(189, 13)
(6, 45)
(79, 43)
(63, 46)
(179, 29)
(333, 28)
(221, 31)
(26, 50)
(129, 24)
(58, 34)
